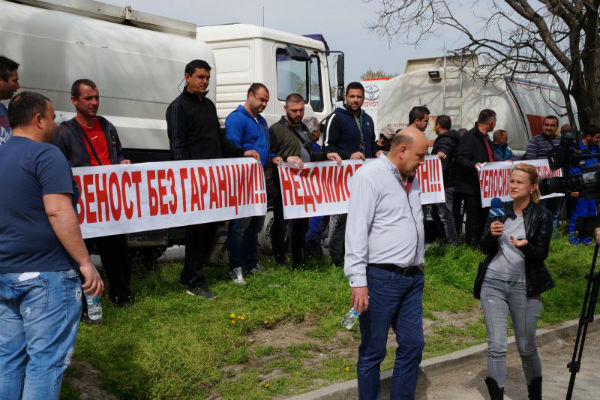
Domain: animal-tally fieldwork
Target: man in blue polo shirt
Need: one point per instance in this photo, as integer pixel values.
(247, 129)
(41, 252)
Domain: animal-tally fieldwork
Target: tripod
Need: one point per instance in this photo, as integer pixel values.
(587, 316)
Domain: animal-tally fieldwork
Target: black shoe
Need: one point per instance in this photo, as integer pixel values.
(280, 259)
(201, 291)
(535, 389)
(123, 302)
(496, 393)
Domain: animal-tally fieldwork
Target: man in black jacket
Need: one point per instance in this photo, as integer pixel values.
(445, 146)
(91, 140)
(349, 133)
(195, 134)
(291, 142)
(474, 149)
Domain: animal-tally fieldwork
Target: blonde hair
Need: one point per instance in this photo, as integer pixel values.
(531, 172)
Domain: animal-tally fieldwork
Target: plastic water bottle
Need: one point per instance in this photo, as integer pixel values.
(94, 308)
(350, 319)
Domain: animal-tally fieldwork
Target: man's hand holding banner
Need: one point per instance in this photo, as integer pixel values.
(139, 197)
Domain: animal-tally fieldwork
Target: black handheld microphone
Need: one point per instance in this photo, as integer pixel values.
(496, 211)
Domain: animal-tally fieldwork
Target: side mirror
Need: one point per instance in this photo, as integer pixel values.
(297, 53)
(338, 67)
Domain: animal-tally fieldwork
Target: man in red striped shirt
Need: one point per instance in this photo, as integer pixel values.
(91, 140)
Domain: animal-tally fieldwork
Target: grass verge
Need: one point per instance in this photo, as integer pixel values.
(280, 334)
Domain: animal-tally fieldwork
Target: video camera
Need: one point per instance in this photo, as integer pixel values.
(566, 156)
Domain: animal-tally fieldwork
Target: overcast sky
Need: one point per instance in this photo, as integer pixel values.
(344, 23)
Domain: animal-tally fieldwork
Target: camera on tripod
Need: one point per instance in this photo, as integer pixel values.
(582, 175)
(568, 156)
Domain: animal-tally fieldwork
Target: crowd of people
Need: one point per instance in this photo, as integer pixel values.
(379, 242)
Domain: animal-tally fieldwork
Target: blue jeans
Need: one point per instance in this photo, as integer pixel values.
(39, 319)
(242, 241)
(553, 204)
(447, 217)
(394, 300)
(583, 208)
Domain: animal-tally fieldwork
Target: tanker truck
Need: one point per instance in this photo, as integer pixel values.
(137, 60)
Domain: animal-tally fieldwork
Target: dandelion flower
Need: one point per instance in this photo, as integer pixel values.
(233, 321)
(232, 315)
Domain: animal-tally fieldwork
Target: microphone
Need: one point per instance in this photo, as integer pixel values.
(496, 210)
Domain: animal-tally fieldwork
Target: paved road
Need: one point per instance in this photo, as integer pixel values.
(466, 382)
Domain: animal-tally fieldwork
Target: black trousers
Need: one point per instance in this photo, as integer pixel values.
(116, 263)
(279, 226)
(299, 227)
(476, 217)
(279, 229)
(199, 240)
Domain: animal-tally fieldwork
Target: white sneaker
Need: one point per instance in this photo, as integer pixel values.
(237, 276)
(256, 270)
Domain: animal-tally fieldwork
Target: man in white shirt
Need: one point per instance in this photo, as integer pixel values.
(384, 263)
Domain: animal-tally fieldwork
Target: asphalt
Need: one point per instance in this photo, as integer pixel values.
(465, 381)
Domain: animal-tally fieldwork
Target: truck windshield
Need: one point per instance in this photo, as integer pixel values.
(299, 77)
(316, 93)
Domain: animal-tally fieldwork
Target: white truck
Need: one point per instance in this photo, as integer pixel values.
(445, 88)
(137, 60)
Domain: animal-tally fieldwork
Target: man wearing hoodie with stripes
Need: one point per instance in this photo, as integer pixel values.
(349, 133)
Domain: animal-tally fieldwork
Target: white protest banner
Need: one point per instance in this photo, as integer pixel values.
(322, 188)
(494, 178)
(431, 181)
(139, 197)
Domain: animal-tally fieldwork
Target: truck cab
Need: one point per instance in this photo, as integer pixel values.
(285, 63)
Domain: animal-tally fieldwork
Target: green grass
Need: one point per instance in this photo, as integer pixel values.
(171, 345)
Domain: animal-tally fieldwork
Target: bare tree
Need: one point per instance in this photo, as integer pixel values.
(379, 74)
(517, 37)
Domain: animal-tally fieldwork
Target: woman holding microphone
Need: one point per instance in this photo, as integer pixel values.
(512, 277)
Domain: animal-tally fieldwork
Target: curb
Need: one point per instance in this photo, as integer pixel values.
(349, 390)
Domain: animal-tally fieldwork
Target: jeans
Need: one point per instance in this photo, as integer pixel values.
(499, 295)
(394, 300)
(242, 241)
(39, 319)
(553, 204)
(583, 208)
(314, 234)
(447, 217)
(335, 238)
(475, 219)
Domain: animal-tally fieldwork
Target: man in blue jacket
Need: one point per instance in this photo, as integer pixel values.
(350, 133)
(583, 207)
(247, 129)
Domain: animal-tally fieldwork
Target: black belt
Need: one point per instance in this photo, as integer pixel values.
(406, 271)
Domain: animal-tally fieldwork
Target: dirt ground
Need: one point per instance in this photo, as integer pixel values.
(84, 378)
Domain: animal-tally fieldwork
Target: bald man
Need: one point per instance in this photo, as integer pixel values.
(384, 263)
